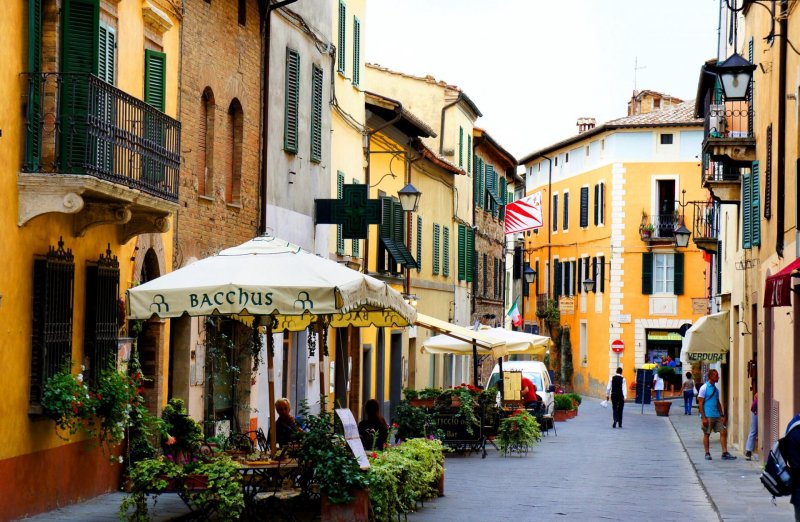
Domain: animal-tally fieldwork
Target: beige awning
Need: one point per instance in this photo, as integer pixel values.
(709, 339)
(456, 339)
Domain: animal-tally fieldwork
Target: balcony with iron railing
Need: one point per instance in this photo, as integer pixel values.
(705, 225)
(659, 228)
(99, 153)
(728, 127)
(723, 178)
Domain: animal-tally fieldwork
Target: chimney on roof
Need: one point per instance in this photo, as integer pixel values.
(585, 124)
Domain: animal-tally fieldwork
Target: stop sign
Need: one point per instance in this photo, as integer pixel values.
(617, 346)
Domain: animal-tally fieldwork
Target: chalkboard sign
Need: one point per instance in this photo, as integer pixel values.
(644, 383)
(455, 428)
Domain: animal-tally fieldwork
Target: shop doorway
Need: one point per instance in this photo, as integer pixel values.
(662, 346)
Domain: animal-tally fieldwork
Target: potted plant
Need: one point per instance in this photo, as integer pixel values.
(148, 477)
(336, 471)
(662, 407)
(576, 401)
(562, 405)
(66, 400)
(647, 230)
(182, 435)
(422, 398)
(518, 432)
(411, 422)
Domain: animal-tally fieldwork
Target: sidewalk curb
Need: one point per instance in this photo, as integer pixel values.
(694, 467)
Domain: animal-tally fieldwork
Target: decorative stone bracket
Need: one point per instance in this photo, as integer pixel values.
(93, 202)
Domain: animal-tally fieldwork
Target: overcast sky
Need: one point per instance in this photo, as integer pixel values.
(533, 67)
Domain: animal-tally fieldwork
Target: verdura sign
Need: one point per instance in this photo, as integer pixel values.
(231, 297)
(706, 357)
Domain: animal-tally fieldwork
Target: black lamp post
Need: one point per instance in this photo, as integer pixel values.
(735, 74)
(409, 199)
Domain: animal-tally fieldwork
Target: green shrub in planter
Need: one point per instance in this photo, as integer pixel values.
(665, 371)
(563, 401)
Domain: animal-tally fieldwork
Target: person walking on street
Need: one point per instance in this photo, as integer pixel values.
(751, 438)
(658, 384)
(617, 391)
(713, 416)
(688, 394)
(793, 459)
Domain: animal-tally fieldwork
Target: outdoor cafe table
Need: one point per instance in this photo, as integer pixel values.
(267, 476)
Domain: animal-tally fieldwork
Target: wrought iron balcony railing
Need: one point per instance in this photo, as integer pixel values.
(79, 124)
(714, 170)
(705, 225)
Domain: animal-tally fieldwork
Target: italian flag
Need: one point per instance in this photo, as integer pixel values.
(513, 312)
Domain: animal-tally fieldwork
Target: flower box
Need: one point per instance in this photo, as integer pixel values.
(421, 403)
(560, 415)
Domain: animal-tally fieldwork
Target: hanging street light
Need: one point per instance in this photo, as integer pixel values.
(409, 198)
(735, 75)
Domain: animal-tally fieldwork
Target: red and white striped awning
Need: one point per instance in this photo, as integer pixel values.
(524, 214)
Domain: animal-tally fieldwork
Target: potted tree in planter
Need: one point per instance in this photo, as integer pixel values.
(562, 404)
(662, 407)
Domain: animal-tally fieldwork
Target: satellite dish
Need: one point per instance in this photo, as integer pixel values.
(684, 327)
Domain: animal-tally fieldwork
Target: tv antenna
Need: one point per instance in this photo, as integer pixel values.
(636, 68)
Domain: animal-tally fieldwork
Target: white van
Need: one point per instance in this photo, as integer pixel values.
(536, 371)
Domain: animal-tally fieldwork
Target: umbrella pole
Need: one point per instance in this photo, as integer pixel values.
(318, 327)
(502, 381)
(475, 363)
(271, 390)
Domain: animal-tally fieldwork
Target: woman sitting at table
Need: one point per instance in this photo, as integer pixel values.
(373, 429)
(286, 426)
(528, 393)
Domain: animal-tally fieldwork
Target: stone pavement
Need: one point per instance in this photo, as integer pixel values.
(653, 468)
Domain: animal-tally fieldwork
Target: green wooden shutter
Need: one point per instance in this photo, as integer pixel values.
(678, 287)
(556, 278)
(755, 202)
(316, 114)
(565, 225)
(106, 54)
(746, 212)
(647, 273)
(490, 188)
(476, 184)
(356, 247)
(481, 185)
(419, 243)
(584, 207)
(339, 191)
(106, 59)
(596, 205)
(446, 252)
(555, 213)
(461, 147)
(356, 51)
(33, 141)
(502, 198)
(398, 230)
(574, 276)
(470, 255)
(594, 275)
(436, 230)
(385, 228)
(155, 79)
(602, 266)
(291, 101)
(469, 154)
(78, 60)
(462, 252)
(342, 33)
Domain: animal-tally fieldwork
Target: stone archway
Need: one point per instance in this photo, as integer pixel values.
(149, 264)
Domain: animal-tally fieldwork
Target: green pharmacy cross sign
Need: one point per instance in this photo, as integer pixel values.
(355, 211)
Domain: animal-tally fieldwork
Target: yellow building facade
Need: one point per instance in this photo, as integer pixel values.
(611, 200)
(87, 214)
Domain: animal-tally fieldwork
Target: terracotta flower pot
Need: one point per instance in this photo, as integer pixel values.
(357, 510)
(560, 415)
(571, 414)
(662, 408)
(440, 485)
(421, 403)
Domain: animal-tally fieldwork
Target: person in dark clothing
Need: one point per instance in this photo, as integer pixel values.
(286, 427)
(617, 391)
(373, 429)
(793, 459)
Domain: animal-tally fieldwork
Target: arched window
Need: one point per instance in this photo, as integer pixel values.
(205, 150)
(236, 119)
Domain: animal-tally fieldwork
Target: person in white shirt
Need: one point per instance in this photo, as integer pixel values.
(617, 391)
(658, 385)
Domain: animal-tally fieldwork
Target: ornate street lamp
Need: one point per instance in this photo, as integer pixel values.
(529, 274)
(409, 198)
(588, 285)
(735, 74)
(682, 236)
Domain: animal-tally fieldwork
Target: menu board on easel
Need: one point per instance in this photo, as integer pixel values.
(352, 437)
(512, 386)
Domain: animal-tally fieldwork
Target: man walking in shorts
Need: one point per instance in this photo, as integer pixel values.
(713, 415)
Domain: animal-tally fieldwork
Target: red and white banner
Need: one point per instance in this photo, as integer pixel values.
(524, 214)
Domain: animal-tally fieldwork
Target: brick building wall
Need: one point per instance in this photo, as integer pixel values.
(221, 58)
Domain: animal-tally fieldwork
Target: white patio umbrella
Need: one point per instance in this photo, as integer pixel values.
(709, 339)
(284, 286)
(520, 343)
(514, 343)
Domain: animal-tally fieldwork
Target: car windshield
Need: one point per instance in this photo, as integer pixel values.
(536, 378)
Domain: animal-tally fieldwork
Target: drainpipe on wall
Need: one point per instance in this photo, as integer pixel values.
(441, 125)
(265, 12)
(780, 222)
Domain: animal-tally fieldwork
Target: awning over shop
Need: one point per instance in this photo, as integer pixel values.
(455, 337)
(708, 340)
(779, 286)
